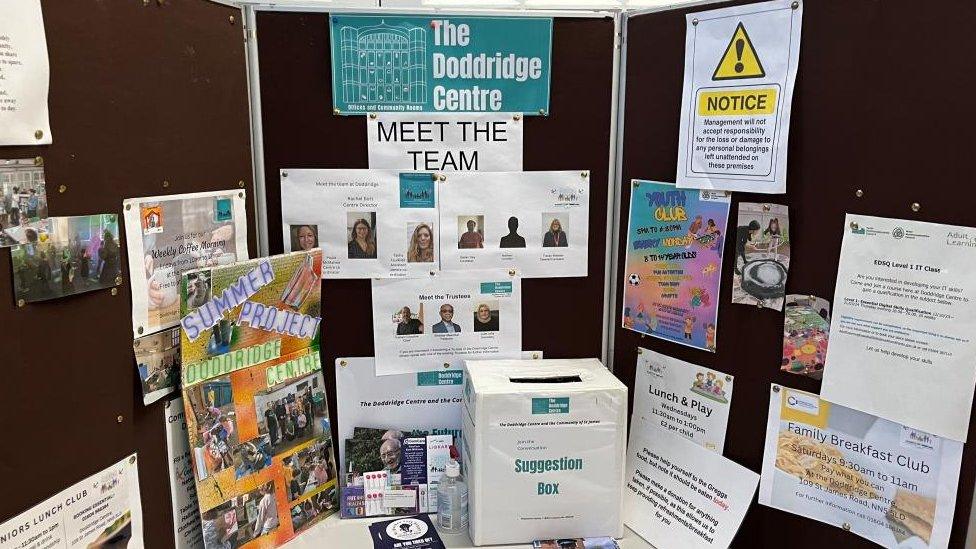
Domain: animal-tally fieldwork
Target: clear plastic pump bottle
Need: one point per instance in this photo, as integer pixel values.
(452, 501)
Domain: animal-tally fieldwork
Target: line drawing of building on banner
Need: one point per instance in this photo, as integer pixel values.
(384, 64)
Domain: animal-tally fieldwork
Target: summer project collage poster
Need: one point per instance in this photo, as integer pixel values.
(674, 262)
(254, 397)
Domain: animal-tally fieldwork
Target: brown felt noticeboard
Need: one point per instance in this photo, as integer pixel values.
(140, 93)
(878, 106)
(562, 316)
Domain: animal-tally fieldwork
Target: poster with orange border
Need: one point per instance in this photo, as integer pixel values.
(255, 401)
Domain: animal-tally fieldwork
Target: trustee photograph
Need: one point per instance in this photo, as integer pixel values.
(446, 324)
(486, 317)
(407, 323)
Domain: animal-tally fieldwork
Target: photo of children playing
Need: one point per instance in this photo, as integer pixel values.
(309, 469)
(310, 511)
(79, 254)
(252, 456)
(212, 406)
(293, 413)
(241, 519)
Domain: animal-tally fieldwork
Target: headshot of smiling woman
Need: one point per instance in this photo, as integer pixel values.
(484, 321)
(421, 248)
(362, 242)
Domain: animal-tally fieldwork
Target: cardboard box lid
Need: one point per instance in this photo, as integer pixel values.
(565, 375)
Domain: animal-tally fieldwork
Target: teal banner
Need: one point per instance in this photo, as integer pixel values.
(557, 405)
(440, 63)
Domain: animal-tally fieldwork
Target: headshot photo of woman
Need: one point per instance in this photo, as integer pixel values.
(484, 319)
(421, 247)
(555, 237)
(362, 240)
(304, 237)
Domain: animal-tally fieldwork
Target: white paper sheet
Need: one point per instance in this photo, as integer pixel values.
(446, 317)
(683, 398)
(183, 490)
(104, 510)
(369, 223)
(537, 222)
(679, 495)
(443, 142)
(891, 484)
(429, 400)
(740, 65)
(24, 74)
(169, 235)
(904, 322)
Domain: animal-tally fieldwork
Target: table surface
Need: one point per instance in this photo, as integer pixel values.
(354, 534)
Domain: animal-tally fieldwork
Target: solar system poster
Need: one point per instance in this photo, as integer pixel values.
(674, 262)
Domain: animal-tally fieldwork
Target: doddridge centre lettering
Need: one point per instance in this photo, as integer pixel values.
(229, 362)
(296, 367)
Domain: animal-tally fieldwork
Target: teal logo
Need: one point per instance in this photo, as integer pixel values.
(417, 190)
(440, 377)
(438, 63)
(496, 287)
(223, 210)
(556, 405)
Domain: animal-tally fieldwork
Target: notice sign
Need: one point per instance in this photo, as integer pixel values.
(902, 336)
(740, 64)
(680, 495)
(417, 63)
(436, 142)
(891, 484)
(24, 75)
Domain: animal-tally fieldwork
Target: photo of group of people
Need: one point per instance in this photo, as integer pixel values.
(212, 406)
(471, 232)
(241, 519)
(23, 199)
(292, 414)
(158, 363)
(76, 254)
(313, 509)
(309, 469)
(484, 318)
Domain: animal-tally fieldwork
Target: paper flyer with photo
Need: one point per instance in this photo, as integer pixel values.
(675, 239)
(182, 484)
(428, 401)
(255, 401)
(24, 75)
(76, 255)
(762, 255)
(885, 482)
(679, 495)
(169, 235)
(446, 317)
(369, 223)
(806, 328)
(902, 336)
(683, 398)
(444, 142)
(104, 510)
(740, 66)
(536, 222)
(158, 363)
(23, 197)
(436, 63)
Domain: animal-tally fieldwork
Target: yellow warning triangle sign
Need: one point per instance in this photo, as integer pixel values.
(740, 59)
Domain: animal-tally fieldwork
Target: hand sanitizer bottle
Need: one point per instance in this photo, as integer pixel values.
(452, 501)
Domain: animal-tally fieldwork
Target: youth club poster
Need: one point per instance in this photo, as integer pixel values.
(674, 262)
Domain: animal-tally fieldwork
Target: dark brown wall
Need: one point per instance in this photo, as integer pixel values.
(139, 94)
(880, 105)
(300, 131)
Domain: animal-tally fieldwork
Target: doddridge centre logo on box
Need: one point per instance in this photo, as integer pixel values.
(557, 405)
